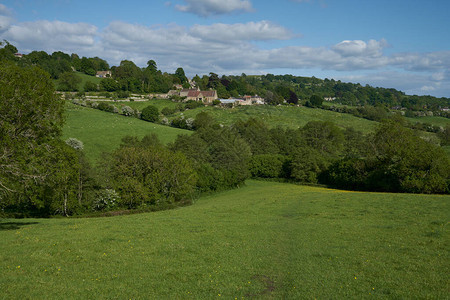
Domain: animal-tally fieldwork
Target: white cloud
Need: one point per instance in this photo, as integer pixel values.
(251, 31)
(360, 48)
(5, 18)
(206, 8)
(52, 36)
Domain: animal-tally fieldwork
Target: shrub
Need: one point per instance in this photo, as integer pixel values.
(123, 94)
(106, 199)
(150, 113)
(191, 104)
(106, 107)
(75, 143)
(127, 111)
(168, 111)
(267, 166)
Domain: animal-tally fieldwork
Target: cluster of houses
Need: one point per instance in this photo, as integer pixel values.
(207, 97)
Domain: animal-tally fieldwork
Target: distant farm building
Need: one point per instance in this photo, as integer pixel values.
(206, 97)
(103, 74)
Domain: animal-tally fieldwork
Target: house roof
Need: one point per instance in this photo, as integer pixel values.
(209, 93)
(193, 93)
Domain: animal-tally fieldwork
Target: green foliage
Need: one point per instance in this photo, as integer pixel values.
(307, 164)
(150, 114)
(192, 104)
(106, 199)
(255, 132)
(31, 116)
(324, 137)
(217, 152)
(315, 101)
(105, 106)
(68, 81)
(109, 85)
(149, 174)
(268, 166)
(203, 120)
(396, 160)
(90, 86)
(167, 111)
(444, 135)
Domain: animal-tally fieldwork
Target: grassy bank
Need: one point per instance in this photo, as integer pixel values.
(102, 131)
(264, 240)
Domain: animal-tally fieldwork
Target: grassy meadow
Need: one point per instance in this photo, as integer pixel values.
(102, 131)
(264, 240)
(273, 116)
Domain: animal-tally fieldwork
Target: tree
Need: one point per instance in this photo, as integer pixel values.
(69, 81)
(7, 52)
(293, 99)
(150, 113)
(151, 66)
(179, 73)
(402, 161)
(90, 86)
(109, 85)
(146, 173)
(325, 137)
(315, 101)
(203, 120)
(31, 117)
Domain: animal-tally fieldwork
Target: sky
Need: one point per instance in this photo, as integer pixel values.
(402, 44)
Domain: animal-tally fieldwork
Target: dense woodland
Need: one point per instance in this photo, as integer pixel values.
(42, 175)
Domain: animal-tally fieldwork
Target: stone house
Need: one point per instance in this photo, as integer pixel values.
(103, 74)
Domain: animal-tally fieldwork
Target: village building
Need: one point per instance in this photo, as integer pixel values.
(206, 97)
(103, 74)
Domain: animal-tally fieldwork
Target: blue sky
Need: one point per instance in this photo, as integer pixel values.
(396, 43)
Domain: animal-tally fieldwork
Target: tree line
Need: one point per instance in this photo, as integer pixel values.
(276, 89)
(42, 175)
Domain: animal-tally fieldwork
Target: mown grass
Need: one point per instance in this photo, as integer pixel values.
(102, 131)
(264, 240)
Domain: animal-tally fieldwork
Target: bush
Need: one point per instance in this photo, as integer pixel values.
(106, 199)
(150, 114)
(123, 94)
(106, 107)
(267, 166)
(127, 111)
(191, 104)
(75, 143)
(167, 111)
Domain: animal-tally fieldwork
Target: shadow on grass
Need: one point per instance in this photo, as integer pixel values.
(14, 225)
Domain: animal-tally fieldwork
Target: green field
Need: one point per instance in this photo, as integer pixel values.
(85, 78)
(264, 240)
(102, 131)
(436, 121)
(140, 105)
(273, 116)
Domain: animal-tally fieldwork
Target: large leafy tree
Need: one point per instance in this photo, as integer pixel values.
(146, 173)
(31, 117)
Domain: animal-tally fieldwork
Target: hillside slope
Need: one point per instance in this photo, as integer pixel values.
(101, 131)
(264, 240)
